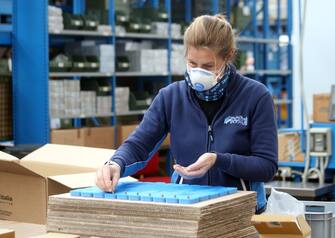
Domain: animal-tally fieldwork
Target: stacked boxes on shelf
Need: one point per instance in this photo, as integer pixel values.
(176, 30)
(55, 19)
(122, 99)
(160, 28)
(104, 105)
(106, 56)
(72, 97)
(178, 63)
(56, 98)
(143, 57)
(103, 52)
(88, 103)
(148, 60)
(66, 100)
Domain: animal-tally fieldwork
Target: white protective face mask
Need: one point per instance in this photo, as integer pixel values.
(202, 79)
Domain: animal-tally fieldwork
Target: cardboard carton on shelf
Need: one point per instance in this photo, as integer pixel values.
(98, 137)
(289, 147)
(26, 184)
(68, 137)
(277, 226)
(321, 107)
(124, 131)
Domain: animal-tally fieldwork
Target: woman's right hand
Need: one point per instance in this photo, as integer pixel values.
(107, 177)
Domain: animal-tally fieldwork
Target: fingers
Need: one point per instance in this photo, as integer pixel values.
(115, 180)
(197, 165)
(99, 179)
(107, 177)
(187, 174)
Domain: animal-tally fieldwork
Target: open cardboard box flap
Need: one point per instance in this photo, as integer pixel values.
(52, 169)
(11, 164)
(53, 159)
(288, 225)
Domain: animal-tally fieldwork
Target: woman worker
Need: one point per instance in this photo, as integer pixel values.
(222, 124)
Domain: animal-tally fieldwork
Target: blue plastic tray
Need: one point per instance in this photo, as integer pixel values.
(157, 192)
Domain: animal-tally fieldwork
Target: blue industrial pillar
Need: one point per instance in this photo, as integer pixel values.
(30, 72)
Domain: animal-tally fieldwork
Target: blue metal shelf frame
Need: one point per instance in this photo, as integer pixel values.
(30, 82)
(6, 8)
(111, 20)
(30, 72)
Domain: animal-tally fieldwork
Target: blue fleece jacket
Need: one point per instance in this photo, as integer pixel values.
(243, 134)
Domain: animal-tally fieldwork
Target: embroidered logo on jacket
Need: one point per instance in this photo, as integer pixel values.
(236, 120)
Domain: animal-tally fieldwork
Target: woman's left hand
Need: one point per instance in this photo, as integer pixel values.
(198, 168)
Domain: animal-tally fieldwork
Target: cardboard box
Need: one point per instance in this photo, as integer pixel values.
(23, 229)
(289, 148)
(124, 132)
(321, 103)
(277, 226)
(98, 137)
(56, 235)
(68, 137)
(5, 233)
(25, 184)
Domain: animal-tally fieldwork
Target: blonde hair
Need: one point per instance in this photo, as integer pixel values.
(213, 32)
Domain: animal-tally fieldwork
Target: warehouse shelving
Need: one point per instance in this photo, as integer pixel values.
(245, 39)
(79, 74)
(131, 113)
(140, 74)
(31, 73)
(6, 29)
(141, 36)
(80, 33)
(271, 72)
(85, 116)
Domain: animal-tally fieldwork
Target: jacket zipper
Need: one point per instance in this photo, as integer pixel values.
(210, 140)
(210, 136)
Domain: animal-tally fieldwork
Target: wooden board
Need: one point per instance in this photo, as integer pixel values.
(227, 216)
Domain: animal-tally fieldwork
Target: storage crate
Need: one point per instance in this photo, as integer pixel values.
(320, 216)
